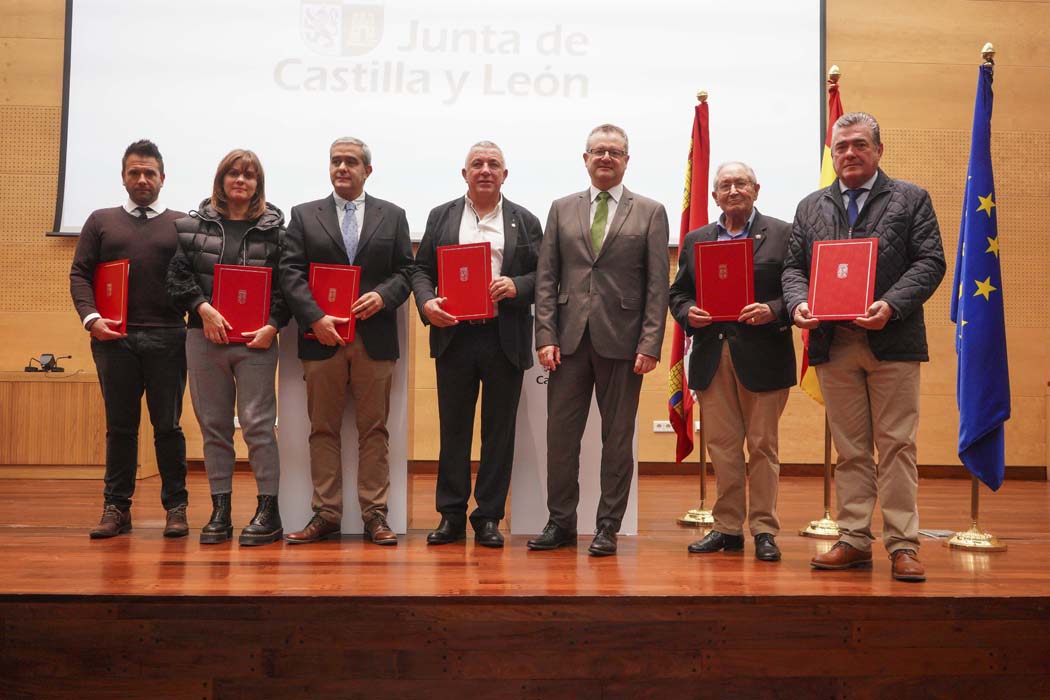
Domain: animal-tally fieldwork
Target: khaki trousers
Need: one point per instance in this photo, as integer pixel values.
(326, 384)
(872, 404)
(732, 414)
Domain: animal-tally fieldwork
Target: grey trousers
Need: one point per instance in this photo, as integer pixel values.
(221, 376)
(617, 390)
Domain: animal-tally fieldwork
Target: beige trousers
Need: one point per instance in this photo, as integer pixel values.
(872, 404)
(326, 384)
(733, 415)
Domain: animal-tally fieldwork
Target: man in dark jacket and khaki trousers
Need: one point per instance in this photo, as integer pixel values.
(601, 306)
(743, 369)
(348, 227)
(868, 369)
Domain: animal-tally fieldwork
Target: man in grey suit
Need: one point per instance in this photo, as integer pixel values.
(601, 305)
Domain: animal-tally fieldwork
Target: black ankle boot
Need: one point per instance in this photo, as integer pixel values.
(219, 529)
(265, 527)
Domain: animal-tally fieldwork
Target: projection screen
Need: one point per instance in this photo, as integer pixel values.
(421, 81)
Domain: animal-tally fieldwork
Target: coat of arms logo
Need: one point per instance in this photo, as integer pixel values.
(109, 289)
(843, 271)
(331, 294)
(242, 296)
(337, 28)
(723, 271)
(464, 274)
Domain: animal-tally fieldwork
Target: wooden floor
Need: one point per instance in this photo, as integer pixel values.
(142, 617)
(43, 541)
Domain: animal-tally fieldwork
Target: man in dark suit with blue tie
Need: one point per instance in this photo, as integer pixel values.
(348, 227)
(491, 352)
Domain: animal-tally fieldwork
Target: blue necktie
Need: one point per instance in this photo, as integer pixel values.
(852, 210)
(349, 229)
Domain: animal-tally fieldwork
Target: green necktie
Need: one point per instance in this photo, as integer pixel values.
(601, 215)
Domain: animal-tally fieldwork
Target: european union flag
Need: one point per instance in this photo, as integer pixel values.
(983, 384)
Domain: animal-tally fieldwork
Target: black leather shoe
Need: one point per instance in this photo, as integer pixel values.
(716, 541)
(487, 534)
(219, 528)
(553, 536)
(604, 542)
(766, 548)
(448, 531)
(265, 526)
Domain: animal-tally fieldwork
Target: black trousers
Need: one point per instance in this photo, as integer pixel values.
(151, 361)
(475, 357)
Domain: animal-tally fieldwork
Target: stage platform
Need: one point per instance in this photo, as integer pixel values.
(144, 617)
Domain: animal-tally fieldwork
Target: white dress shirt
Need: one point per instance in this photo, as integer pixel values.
(479, 229)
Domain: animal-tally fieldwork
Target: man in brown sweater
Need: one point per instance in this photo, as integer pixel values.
(150, 357)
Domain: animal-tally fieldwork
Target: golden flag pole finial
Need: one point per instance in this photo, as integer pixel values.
(988, 54)
(701, 95)
(833, 75)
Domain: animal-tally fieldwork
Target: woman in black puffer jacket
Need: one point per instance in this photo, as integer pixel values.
(235, 226)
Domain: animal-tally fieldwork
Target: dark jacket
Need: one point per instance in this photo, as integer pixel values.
(763, 356)
(191, 274)
(522, 234)
(909, 267)
(384, 254)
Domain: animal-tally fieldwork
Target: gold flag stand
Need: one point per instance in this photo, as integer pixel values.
(975, 539)
(825, 528)
(700, 516)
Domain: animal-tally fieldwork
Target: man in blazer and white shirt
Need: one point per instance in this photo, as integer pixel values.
(348, 227)
(601, 305)
(742, 369)
(491, 352)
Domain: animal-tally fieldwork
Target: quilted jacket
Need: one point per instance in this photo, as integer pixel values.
(909, 267)
(201, 243)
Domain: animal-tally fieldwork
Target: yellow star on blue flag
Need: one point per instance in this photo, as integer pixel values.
(983, 382)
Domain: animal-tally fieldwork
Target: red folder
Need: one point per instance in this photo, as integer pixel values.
(111, 292)
(242, 295)
(725, 277)
(335, 289)
(842, 278)
(464, 277)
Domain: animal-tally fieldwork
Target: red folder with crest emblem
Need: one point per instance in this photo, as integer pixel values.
(842, 278)
(242, 295)
(111, 292)
(335, 289)
(464, 277)
(725, 277)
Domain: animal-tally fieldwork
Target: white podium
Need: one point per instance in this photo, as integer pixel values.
(293, 427)
(528, 490)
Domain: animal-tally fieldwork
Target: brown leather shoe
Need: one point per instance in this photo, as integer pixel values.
(115, 521)
(316, 530)
(377, 531)
(842, 556)
(176, 525)
(906, 566)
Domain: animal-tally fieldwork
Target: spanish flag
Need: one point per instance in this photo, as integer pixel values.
(808, 382)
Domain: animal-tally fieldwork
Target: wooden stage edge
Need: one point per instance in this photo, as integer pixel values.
(926, 471)
(144, 617)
